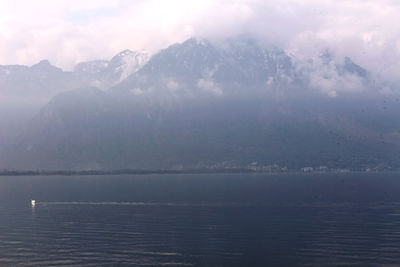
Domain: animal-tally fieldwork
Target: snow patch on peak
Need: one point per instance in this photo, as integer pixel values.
(196, 41)
(125, 53)
(129, 62)
(94, 66)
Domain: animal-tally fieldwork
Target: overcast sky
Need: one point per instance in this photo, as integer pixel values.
(70, 31)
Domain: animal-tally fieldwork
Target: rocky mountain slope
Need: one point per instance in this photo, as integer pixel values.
(200, 104)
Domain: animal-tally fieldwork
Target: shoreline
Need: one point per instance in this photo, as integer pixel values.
(188, 171)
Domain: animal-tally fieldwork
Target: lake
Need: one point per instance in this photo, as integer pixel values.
(201, 220)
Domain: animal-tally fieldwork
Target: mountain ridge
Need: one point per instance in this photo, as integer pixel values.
(198, 104)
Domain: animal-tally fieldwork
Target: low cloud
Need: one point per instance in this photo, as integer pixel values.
(172, 85)
(137, 91)
(209, 86)
(325, 76)
(67, 32)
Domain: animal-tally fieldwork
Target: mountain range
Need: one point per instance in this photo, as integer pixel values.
(199, 104)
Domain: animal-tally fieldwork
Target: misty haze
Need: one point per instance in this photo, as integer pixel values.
(235, 104)
(215, 133)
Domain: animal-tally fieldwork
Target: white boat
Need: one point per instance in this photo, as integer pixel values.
(33, 203)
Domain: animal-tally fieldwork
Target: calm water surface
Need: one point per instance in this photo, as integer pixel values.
(201, 220)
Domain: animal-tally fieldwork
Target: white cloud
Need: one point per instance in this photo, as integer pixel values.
(326, 78)
(69, 31)
(172, 85)
(209, 86)
(332, 93)
(137, 91)
(270, 81)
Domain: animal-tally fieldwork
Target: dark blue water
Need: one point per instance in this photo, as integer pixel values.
(201, 220)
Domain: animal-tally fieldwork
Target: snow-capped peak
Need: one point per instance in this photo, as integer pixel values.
(127, 62)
